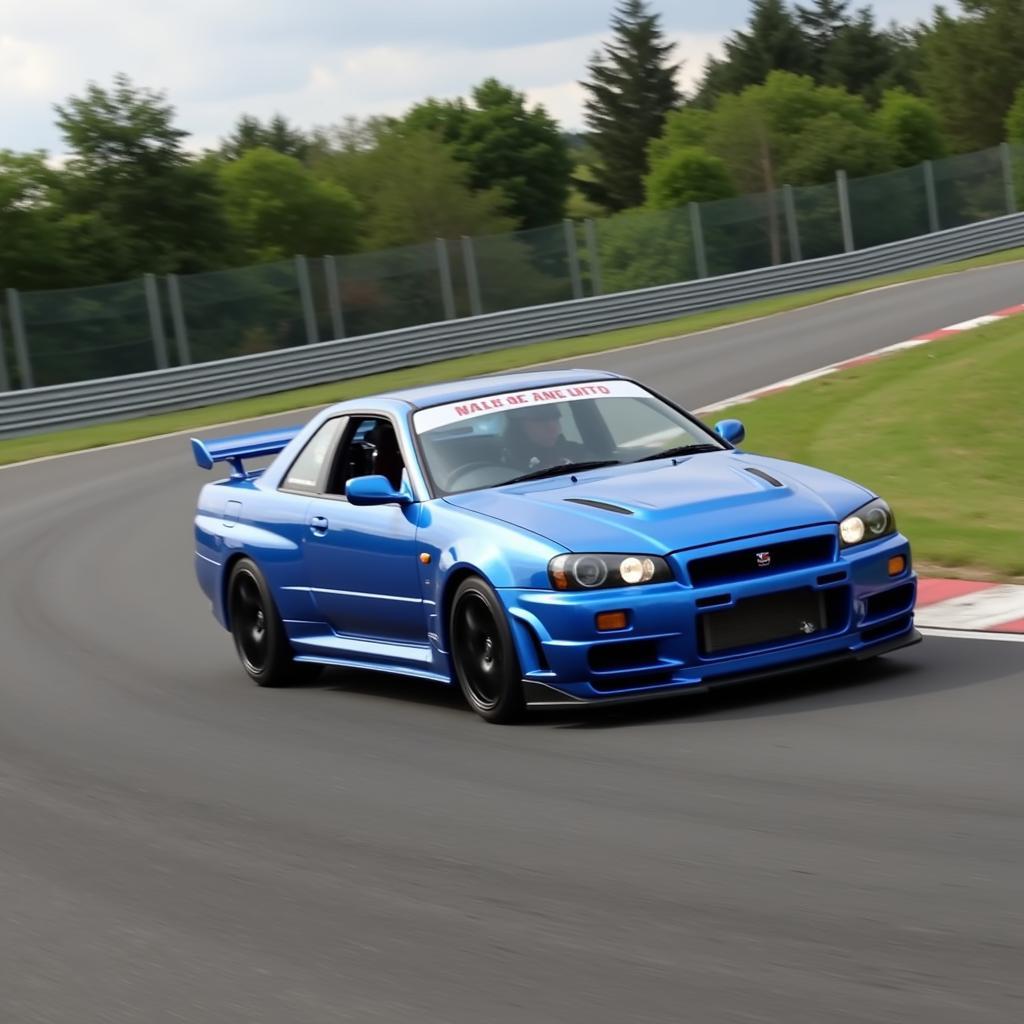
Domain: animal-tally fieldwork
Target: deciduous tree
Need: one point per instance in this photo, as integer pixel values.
(970, 68)
(277, 208)
(132, 183)
(687, 175)
(507, 145)
(911, 126)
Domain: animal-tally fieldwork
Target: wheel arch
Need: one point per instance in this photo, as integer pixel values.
(452, 583)
(224, 612)
(527, 643)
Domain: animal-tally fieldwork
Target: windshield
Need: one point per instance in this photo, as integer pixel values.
(500, 438)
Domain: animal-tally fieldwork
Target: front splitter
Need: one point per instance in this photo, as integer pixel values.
(544, 695)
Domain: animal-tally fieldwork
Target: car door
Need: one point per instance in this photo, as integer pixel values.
(362, 561)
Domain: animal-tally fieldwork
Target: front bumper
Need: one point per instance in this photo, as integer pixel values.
(665, 650)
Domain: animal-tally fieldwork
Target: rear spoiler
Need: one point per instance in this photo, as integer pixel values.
(244, 446)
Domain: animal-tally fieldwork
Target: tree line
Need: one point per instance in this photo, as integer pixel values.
(798, 92)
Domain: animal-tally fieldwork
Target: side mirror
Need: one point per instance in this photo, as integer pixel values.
(374, 490)
(730, 430)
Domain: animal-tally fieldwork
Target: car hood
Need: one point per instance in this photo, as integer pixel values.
(658, 507)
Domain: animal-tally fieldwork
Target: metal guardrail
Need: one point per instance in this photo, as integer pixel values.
(142, 394)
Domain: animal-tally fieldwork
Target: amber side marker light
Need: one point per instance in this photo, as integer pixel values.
(897, 564)
(607, 621)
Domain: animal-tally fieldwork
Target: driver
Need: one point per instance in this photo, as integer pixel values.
(534, 439)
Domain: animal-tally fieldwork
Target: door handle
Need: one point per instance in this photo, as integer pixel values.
(318, 524)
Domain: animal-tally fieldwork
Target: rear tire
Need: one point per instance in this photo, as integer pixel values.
(483, 654)
(258, 632)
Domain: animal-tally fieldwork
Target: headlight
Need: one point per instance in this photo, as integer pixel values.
(872, 521)
(591, 572)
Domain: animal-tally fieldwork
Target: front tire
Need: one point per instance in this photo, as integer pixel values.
(258, 632)
(483, 654)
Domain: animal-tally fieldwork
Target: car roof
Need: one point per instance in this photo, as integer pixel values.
(476, 387)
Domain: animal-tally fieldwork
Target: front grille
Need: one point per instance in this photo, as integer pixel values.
(769, 619)
(762, 560)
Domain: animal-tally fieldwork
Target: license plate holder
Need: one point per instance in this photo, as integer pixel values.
(765, 619)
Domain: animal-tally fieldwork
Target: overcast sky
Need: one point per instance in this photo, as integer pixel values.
(317, 61)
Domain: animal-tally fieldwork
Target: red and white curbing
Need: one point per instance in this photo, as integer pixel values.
(870, 357)
(956, 605)
(970, 605)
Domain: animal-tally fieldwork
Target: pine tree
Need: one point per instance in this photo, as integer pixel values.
(821, 25)
(632, 87)
(277, 134)
(772, 42)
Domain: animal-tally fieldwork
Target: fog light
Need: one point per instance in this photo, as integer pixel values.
(607, 621)
(897, 565)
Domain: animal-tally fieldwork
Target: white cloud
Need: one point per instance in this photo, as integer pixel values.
(317, 61)
(26, 69)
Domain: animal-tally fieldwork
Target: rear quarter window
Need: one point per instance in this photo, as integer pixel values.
(306, 473)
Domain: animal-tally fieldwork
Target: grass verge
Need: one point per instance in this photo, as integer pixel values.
(935, 430)
(40, 445)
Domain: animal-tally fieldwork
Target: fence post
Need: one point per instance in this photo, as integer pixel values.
(844, 210)
(334, 297)
(178, 321)
(444, 272)
(306, 297)
(697, 230)
(929, 191)
(1011, 197)
(472, 281)
(5, 381)
(596, 284)
(156, 321)
(21, 358)
(792, 229)
(573, 256)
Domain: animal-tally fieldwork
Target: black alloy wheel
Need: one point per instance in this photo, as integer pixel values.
(258, 632)
(483, 653)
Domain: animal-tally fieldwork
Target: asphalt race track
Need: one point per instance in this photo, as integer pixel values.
(177, 845)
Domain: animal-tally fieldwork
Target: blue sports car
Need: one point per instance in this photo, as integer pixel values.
(542, 539)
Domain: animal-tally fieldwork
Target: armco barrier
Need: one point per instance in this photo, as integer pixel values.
(114, 398)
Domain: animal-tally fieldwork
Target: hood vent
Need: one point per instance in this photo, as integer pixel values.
(765, 476)
(605, 506)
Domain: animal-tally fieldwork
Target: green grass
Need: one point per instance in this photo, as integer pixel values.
(36, 446)
(938, 431)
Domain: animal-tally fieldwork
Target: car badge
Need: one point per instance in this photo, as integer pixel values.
(764, 559)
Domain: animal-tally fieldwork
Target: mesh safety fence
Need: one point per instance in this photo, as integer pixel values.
(239, 312)
(8, 373)
(745, 233)
(888, 207)
(970, 188)
(523, 268)
(642, 249)
(380, 291)
(83, 333)
(1017, 173)
(818, 227)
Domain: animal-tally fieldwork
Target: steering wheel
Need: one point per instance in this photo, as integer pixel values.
(469, 467)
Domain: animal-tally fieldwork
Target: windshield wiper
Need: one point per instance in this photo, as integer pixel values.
(569, 467)
(683, 449)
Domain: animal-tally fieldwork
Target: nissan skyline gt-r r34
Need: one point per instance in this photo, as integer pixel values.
(538, 539)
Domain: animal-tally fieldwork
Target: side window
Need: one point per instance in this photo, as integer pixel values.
(306, 473)
(370, 448)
